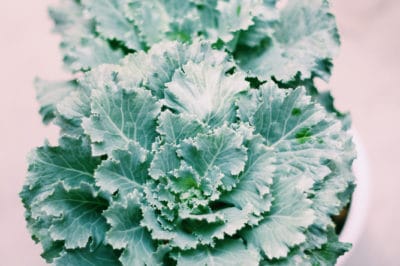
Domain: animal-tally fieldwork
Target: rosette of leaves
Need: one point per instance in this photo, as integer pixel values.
(291, 43)
(171, 158)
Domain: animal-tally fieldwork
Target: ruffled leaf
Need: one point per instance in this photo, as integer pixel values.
(228, 252)
(101, 256)
(120, 117)
(124, 172)
(77, 216)
(304, 35)
(284, 226)
(127, 233)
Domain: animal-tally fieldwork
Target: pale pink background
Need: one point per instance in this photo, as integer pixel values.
(366, 81)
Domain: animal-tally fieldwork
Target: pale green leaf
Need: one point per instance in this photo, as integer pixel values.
(50, 94)
(304, 35)
(222, 149)
(164, 162)
(101, 256)
(301, 133)
(151, 19)
(127, 233)
(70, 163)
(227, 252)
(124, 171)
(81, 49)
(77, 216)
(255, 180)
(284, 225)
(112, 22)
(235, 15)
(177, 127)
(205, 90)
(120, 117)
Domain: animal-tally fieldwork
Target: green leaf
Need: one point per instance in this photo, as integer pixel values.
(77, 216)
(227, 252)
(80, 48)
(50, 94)
(151, 19)
(304, 34)
(124, 172)
(255, 180)
(235, 15)
(112, 22)
(205, 90)
(127, 233)
(120, 117)
(326, 254)
(284, 225)
(101, 256)
(70, 163)
(222, 150)
(303, 136)
(177, 127)
(164, 162)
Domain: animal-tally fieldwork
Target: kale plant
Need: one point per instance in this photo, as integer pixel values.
(190, 135)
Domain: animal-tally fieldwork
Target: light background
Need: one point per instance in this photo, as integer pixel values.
(366, 81)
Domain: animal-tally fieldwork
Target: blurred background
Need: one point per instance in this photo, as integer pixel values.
(365, 81)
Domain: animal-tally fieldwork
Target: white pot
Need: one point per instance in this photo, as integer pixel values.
(357, 216)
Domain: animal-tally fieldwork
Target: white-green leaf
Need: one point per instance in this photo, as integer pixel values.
(205, 90)
(120, 117)
(177, 127)
(127, 233)
(284, 226)
(151, 18)
(235, 15)
(304, 35)
(255, 180)
(164, 162)
(223, 149)
(125, 171)
(227, 252)
(112, 22)
(77, 216)
(302, 135)
(50, 94)
(70, 163)
(101, 256)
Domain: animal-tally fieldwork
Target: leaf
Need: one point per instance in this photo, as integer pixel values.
(101, 256)
(151, 19)
(127, 233)
(80, 48)
(205, 91)
(177, 127)
(164, 162)
(235, 15)
(304, 34)
(255, 180)
(284, 226)
(301, 133)
(221, 149)
(332, 194)
(120, 117)
(227, 252)
(77, 216)
(50, 94)
(124, 172)
(70, 163)
(90, 53)
(327, 254)
(112, 22)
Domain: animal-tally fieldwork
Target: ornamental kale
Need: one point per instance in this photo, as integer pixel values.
(190, 151)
